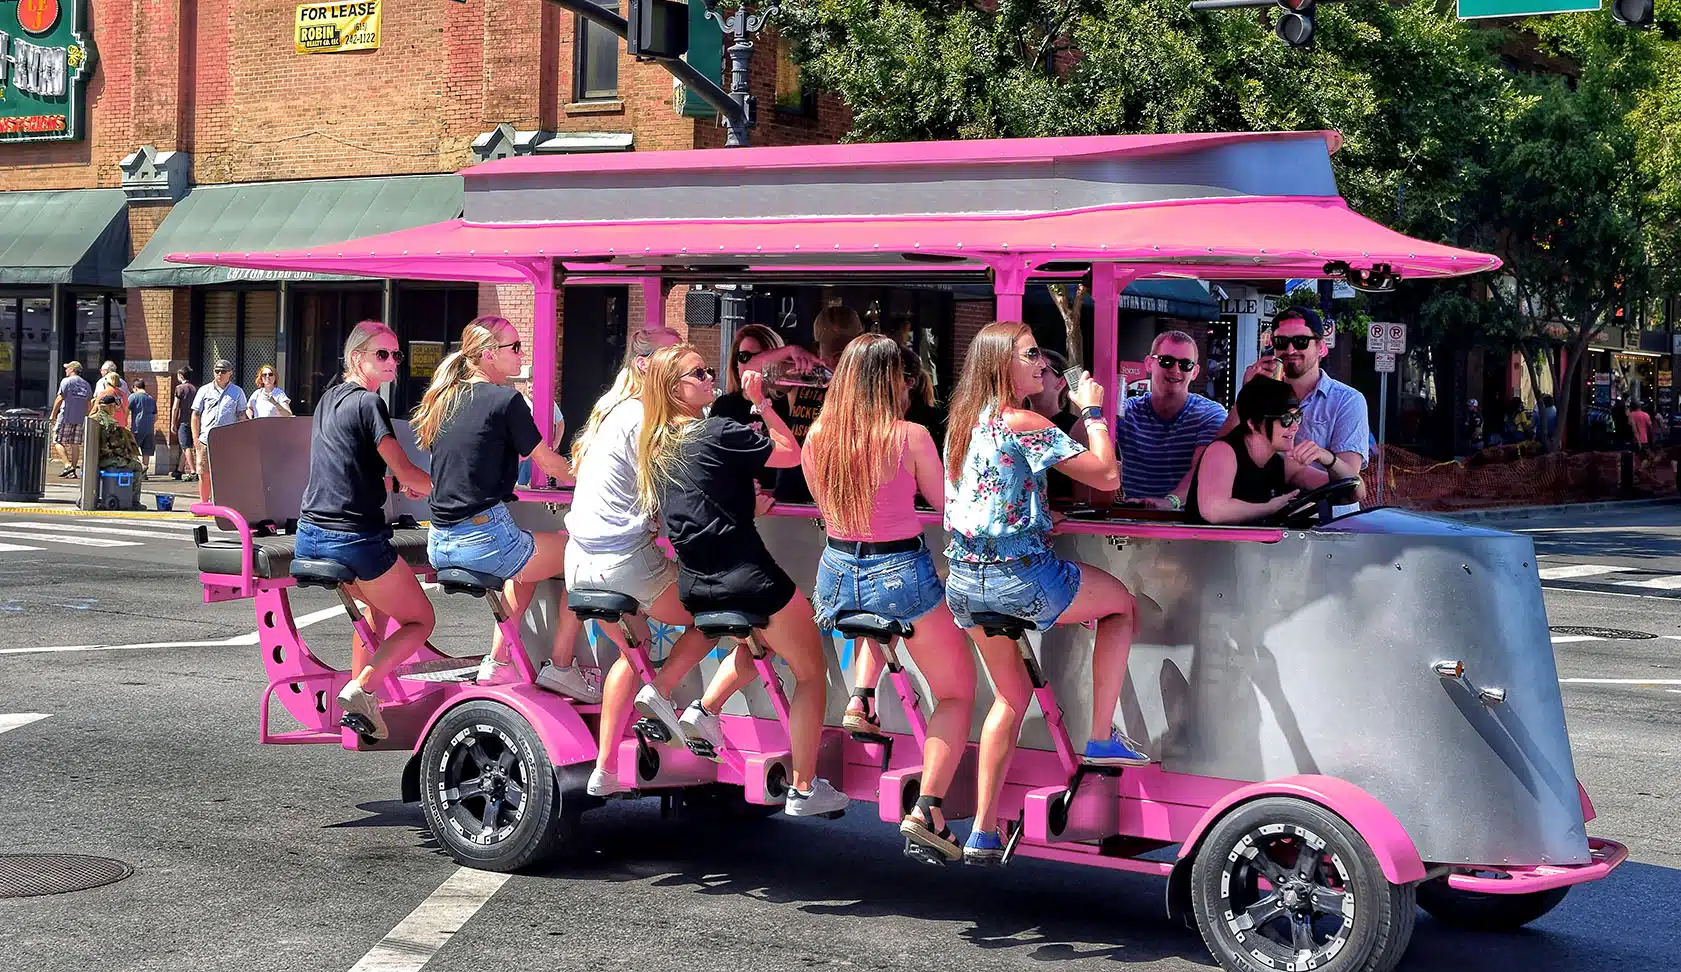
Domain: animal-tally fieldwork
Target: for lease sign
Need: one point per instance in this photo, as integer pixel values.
(44, 59)
(329, 28)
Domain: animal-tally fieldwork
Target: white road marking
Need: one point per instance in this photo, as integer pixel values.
(1668, 582)
(1620, 681)
(14, 547)
(15, 720)
(1578, 570)
(100, 530)
(67, 538)
(410, 945)
(1571, 639)
(314, 617)
(1578, 590)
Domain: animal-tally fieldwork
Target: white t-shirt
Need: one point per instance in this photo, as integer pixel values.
(265, 403)
(604, 518)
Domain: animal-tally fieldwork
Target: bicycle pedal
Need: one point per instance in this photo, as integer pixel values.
(873, 738)
(917, 852)
(704, 750)
(652, 730)
(833, 815)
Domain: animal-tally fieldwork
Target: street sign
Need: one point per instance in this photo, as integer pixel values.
(1384, 338)
(1377, 337)
(1474, 9)
(1397, 338)
(1385, 361)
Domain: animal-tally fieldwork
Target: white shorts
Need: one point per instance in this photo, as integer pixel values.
(643, 573)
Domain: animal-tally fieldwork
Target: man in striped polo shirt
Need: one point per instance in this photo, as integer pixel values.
(1161, 434)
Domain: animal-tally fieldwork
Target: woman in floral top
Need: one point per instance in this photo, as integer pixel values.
(1000, 553)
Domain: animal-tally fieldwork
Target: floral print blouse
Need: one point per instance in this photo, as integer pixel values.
(999, 509)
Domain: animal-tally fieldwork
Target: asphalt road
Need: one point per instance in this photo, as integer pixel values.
(301, 857)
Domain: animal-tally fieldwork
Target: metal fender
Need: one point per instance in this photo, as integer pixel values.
(1388, 840)
(1588, 812)
(564, 734)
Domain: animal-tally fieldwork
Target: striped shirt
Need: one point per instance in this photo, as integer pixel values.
(1156, 453)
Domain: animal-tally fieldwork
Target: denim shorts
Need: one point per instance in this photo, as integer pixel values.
(368, 554)
(900, 586)
(1037, 589)
(490, 543)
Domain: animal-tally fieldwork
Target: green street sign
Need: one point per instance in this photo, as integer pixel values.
(45, 60)
(1477, 9)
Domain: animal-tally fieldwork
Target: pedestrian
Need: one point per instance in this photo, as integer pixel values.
(118, 450)
(112, 384)
(522, 384)
(70, 410)
(180, 421)
(220, 403)
(1640, 425)
(268, 399)
(143, 420)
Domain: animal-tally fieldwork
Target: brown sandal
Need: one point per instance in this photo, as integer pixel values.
(921, 842)
(863, 721)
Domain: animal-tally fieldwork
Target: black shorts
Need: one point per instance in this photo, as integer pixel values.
(757, 586)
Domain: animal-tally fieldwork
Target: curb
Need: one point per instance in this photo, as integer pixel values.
(1532, 512)
(111, 514)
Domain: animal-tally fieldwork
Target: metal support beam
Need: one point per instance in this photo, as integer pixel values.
(544, 306)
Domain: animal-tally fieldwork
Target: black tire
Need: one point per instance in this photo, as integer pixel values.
(1245, 926)
(488, 750)
(1473, 911)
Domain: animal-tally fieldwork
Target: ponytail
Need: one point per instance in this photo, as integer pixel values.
(443, 396)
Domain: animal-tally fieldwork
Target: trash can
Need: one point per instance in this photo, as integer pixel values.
(23, 455)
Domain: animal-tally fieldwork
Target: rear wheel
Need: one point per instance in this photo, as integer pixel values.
(1474, 911)
(488, 789)
(1283, 884)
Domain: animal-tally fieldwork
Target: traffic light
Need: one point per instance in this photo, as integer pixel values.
(1632, 13)
(1295, 22)
(657, 28)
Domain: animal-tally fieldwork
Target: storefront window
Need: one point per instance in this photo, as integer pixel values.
(98, 336)
(239, 326)
(429, 322)
(321, 321)
(36, 387)
(11, 352)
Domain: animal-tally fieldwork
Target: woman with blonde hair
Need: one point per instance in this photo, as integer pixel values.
(477, 430)
(876, 560)
(352, 444)
(699, 473)
(1000, 555)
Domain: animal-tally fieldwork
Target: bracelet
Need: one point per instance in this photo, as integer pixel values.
(1092, 413)
(1174, 502)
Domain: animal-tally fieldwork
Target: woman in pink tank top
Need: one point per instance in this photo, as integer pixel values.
(865, 465)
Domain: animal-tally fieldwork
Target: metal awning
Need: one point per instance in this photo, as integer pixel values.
(263, 216)
(72, 236)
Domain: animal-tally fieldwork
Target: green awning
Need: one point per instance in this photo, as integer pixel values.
(265, 216)
(1188, 299)
(73, 236)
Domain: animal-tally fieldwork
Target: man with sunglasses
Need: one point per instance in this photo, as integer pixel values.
(1161, 433)
(219, 403)
(1335, 432)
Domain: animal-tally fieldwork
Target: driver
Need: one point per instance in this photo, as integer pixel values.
(1246, 474)
(1333, 414)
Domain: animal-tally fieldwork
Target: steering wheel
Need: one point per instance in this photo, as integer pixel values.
(1314, 508)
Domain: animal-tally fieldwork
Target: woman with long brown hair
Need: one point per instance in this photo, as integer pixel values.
(875, 558)
(698, 472)
(1000, 553)
(477, 429)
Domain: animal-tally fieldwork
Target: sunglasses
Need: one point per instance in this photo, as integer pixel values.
(221, 371)
(700, 374)
(1298, 341)
(1288, 420)
(385, 355)
(515, 346)
(742, 355)
(1032, 354)
(1168, 361)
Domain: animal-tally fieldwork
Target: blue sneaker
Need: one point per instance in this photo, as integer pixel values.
(983, 847)
(1117, 750)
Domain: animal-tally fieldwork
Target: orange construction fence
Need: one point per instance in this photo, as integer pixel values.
(1517, 475)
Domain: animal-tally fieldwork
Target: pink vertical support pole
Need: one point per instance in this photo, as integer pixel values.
(1009, 283)
(653, 304)
(544, 307)
(1107, 282)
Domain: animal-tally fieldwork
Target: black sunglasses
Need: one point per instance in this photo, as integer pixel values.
(385, 355)
(515, 346)
(700, 374)
(742, 355)
(1288, 419)
(1032, 354)
(1168, 361)
(1299, 341)
(221, 371)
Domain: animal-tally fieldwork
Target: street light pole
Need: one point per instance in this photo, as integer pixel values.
(740, 26)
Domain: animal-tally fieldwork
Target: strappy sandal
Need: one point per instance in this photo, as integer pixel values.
(865, 722)
(935, 848)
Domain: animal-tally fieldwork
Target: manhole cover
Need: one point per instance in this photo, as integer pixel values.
(30, 875)
(1609, 634)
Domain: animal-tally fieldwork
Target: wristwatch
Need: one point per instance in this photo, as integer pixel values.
(1092, 413)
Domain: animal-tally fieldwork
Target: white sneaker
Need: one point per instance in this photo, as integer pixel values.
(357, 701)
(703, 730)
(570, 681)
(650, 703)
(821, 799)
(603, 784)
(489, 669)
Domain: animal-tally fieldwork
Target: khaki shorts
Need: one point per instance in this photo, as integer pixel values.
(201, 453)
(643, 573)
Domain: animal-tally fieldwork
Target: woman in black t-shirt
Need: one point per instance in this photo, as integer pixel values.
(1247, 474)
(699, 472)
(478, 430)
(343, 512)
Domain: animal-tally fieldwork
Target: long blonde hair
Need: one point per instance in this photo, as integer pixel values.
(985, 385)
(444, 394)
(626, 386)
(360, 337)
(732, 368)
(666, 427)
(860, 418)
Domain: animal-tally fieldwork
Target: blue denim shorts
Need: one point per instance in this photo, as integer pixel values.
(368, 554)
(901, 586)
(1036, 589)
(490, 543)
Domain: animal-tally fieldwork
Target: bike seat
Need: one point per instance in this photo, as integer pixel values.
(863, 624)
(460, 580)
(996, 625)
(732, 624)
(321, 573)
(600, 605)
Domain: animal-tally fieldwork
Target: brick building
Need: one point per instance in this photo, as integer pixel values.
(135, 128)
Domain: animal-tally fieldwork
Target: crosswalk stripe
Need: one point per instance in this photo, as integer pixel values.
(99, 530)
(1572, 639)
(14, 547)
(1668, 582)
(17, 720)
(67, 538)
(1578, 570)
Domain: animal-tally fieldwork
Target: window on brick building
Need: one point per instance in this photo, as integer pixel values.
(239, 325)
(595, 72)
(793, 95)
(26, 333)
(429, 322)
(320, 320)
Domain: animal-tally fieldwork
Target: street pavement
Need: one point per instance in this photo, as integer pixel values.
(303, 858)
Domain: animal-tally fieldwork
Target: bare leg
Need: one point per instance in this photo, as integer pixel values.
(620, 687)
(793, 635)
(866, 671)
(1003, 722)
(567, 629)
(735, 674)
(943, 656)
(398, 594)
(1105, 600)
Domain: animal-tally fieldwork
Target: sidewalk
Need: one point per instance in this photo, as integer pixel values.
(62, 495)
(1564, 509)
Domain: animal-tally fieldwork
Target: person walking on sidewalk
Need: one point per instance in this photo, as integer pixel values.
(180, 421)
(70, 410)
(218, 404)
(143, 421)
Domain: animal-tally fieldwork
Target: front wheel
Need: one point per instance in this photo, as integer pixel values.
(1474, 911)
(1284, 884)
(488, 789)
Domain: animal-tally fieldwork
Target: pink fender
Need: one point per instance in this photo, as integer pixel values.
(1388, 840)
(564, 734)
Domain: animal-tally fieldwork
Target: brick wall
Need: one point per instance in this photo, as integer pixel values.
(968, 317)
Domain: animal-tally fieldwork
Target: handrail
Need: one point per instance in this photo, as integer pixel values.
(248, 581)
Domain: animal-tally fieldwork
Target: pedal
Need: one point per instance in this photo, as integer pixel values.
(704, 750)
(917, 852)
(1011, 841)
(362, 727)
(878, 739)
(653, 730)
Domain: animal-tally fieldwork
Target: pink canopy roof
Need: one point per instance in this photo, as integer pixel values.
(1213, 238)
